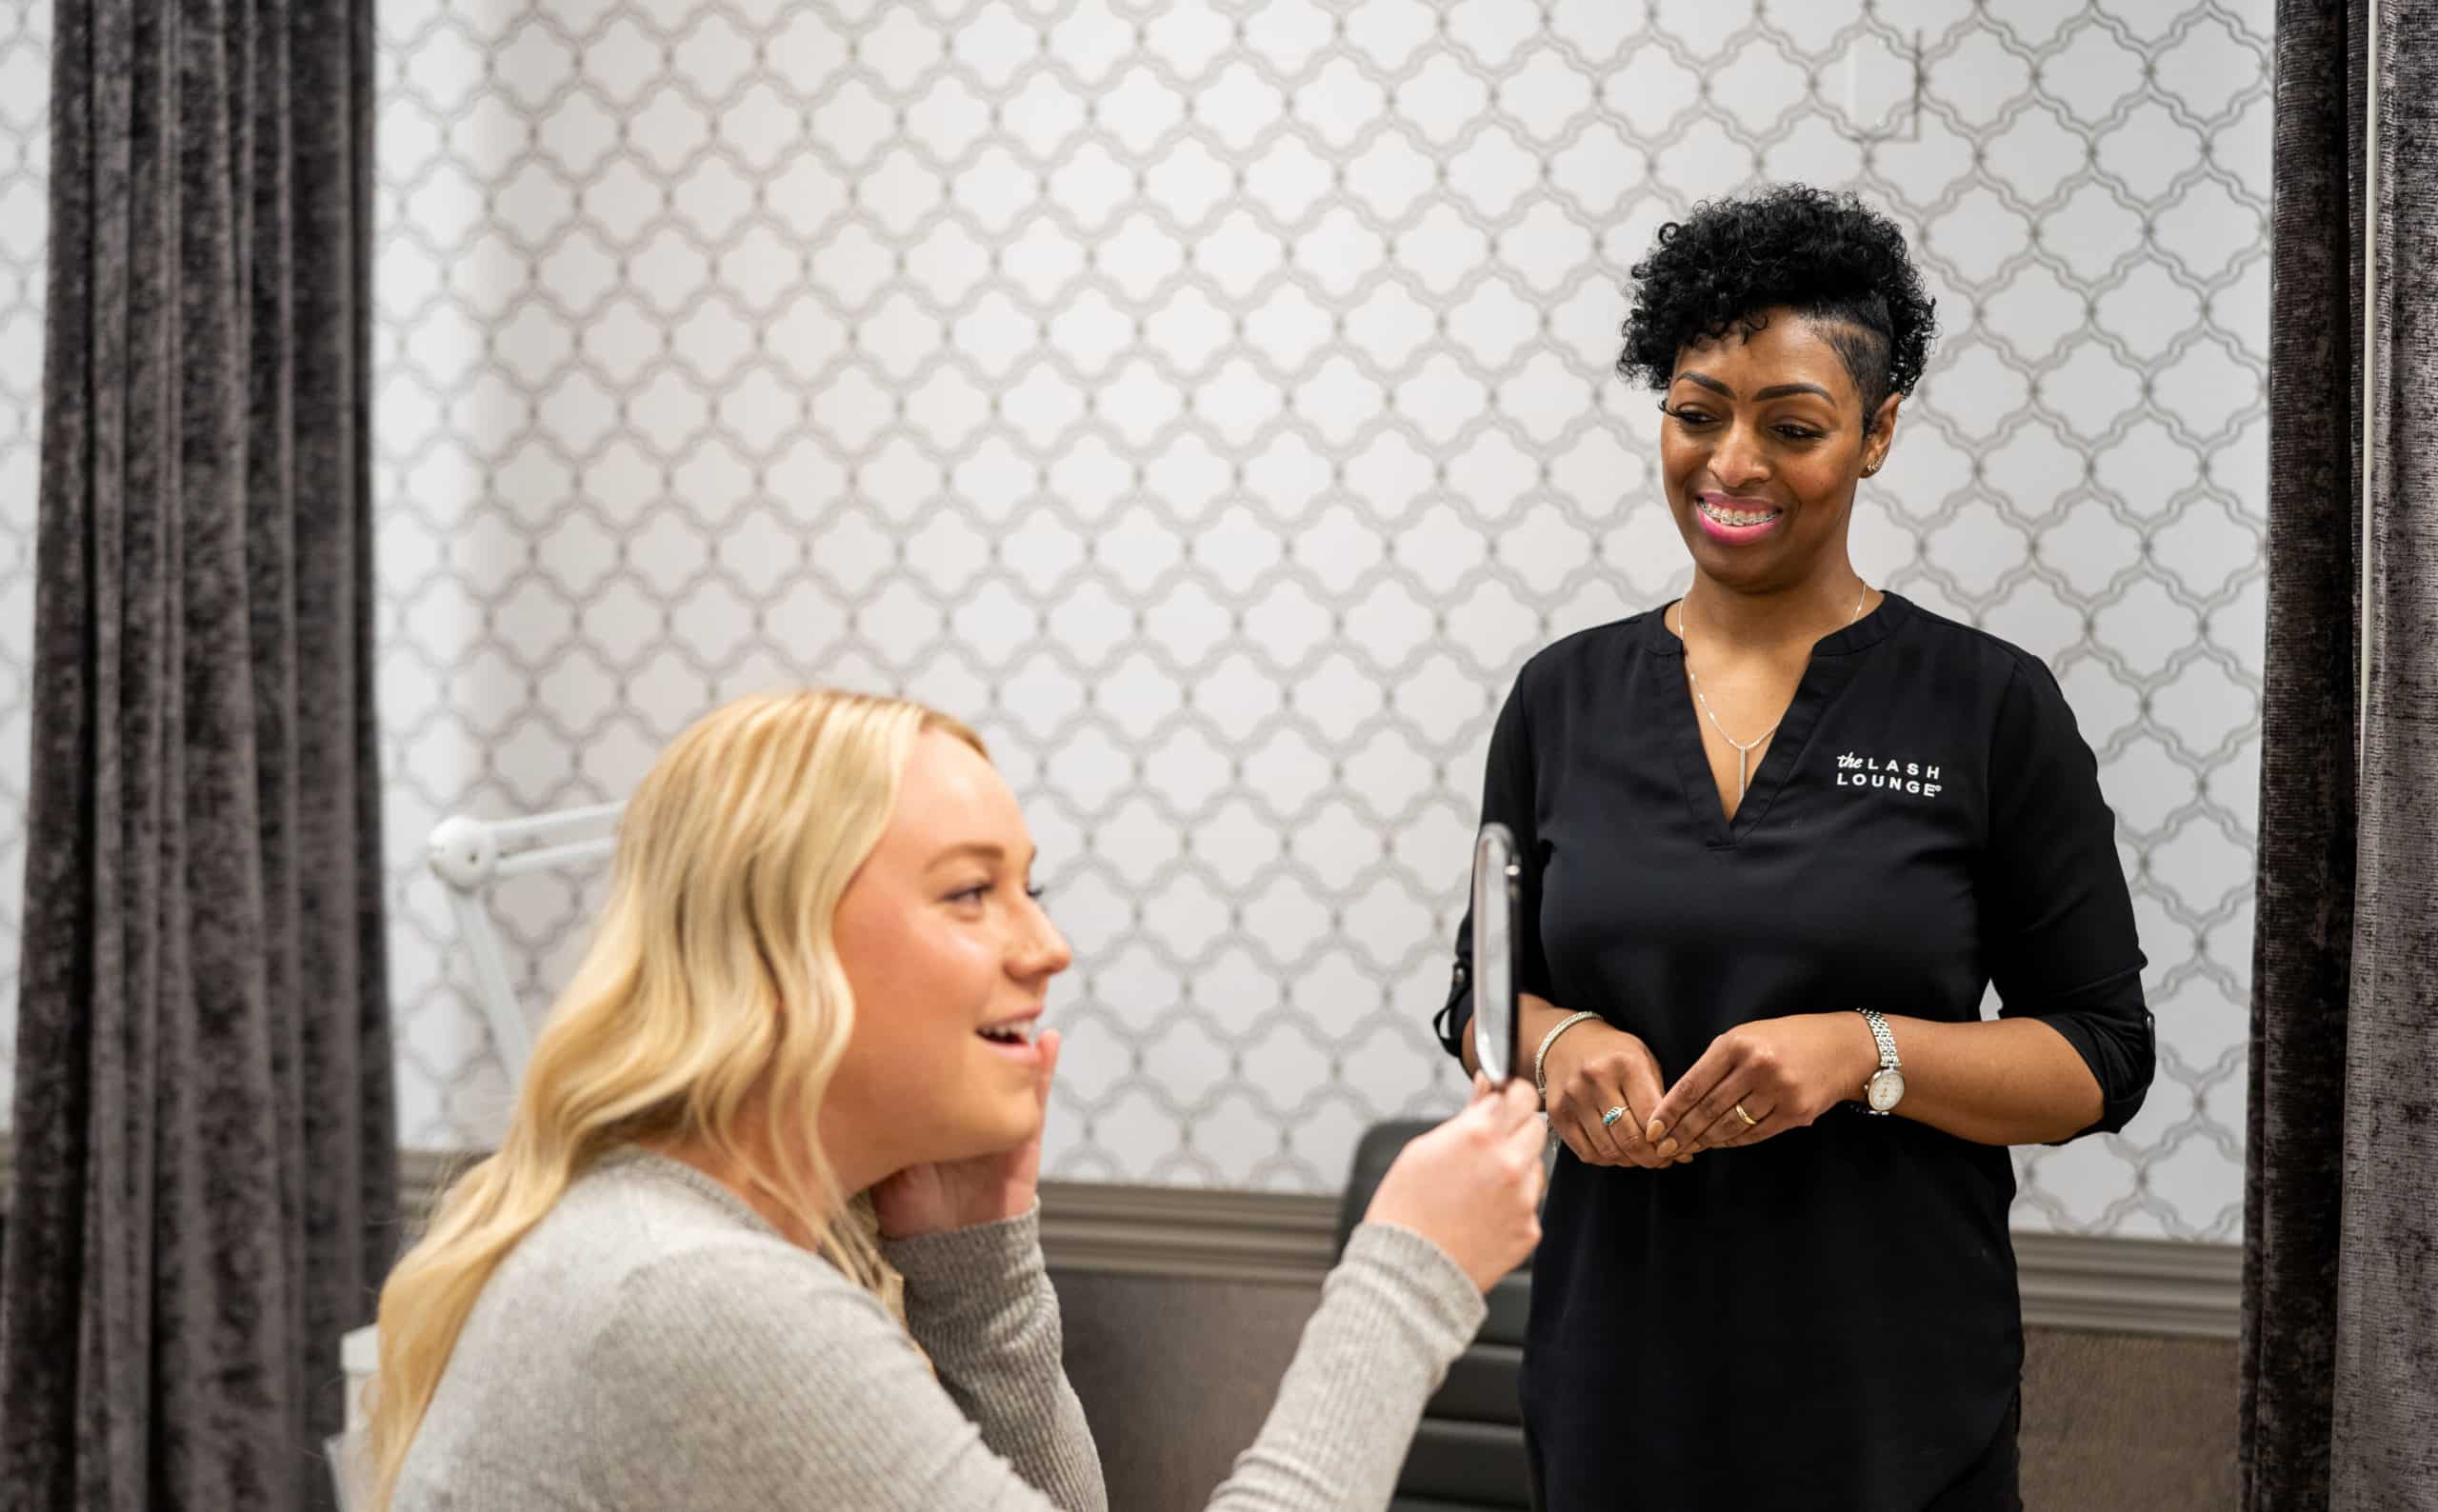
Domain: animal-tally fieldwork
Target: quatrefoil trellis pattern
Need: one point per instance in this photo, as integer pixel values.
(25, 176)
(1211, 399)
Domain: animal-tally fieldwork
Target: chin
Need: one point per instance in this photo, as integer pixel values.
(992, 1130)
(1729, 567)
(1757, 567)
(1025, 1126)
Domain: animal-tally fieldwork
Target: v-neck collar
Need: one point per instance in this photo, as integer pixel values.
(1825, 674)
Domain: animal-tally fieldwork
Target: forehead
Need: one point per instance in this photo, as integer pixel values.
(949, 795)
(1790, 348)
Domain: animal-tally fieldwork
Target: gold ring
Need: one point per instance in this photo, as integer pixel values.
(1749, 1122)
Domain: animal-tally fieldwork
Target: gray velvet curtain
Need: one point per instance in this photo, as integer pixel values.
(2340, 1349)
(205, 1179)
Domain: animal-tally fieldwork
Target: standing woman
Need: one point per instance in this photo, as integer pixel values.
(1778, 838)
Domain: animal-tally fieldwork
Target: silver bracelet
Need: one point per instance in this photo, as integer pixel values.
(1541, 1056)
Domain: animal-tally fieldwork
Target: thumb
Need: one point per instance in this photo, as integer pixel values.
(1481, 1105)
(1643, 1091)
(1483, 1098)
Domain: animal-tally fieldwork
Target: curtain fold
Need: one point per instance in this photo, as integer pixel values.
(206, 1169)
(2340, 1348)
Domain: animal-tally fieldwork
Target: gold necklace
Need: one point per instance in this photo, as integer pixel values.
(1744, 748)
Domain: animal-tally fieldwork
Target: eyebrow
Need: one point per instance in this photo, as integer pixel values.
(981, 850)
(1774, 392)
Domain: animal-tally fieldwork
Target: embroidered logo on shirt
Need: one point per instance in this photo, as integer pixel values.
(1895, 777)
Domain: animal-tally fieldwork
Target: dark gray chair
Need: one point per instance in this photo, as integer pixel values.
(1468, 1455)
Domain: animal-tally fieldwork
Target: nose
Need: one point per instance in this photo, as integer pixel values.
(1040, 951)
(1739, 460)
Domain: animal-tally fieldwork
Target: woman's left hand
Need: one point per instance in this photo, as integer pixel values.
(980, 1189)
(1781, 1072)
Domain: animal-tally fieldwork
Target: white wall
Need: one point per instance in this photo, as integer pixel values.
(1215, 404)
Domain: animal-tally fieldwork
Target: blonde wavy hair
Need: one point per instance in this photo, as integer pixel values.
(710, 990)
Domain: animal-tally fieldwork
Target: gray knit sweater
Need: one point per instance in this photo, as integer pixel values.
(654, 1343)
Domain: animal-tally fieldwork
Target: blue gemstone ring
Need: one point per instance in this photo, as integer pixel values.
(1613, 1115)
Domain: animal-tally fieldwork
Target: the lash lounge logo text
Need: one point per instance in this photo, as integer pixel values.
(1909, 779)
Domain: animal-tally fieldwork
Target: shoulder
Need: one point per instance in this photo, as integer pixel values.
(743, 1332)
(2003, 697)
(2002, 671)
(1953, 640)
(1564, 662)
(678, 1259)
(640, 1291)
(760, 1292)
(634, 1206)
(745, 1373)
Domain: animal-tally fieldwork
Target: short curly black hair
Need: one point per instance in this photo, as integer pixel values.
(1828, 257)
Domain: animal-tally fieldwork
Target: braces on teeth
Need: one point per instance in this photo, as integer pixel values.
(1734, 517)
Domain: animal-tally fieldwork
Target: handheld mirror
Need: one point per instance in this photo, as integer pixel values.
(1494, 874)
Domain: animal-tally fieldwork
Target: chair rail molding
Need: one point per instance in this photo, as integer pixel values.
(2103, 1283)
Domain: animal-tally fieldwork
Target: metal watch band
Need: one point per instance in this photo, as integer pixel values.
(1889, 1067)
(1541, 1056)
(1888, 1061)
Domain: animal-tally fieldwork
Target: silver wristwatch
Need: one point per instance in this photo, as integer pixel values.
(1885, 1088)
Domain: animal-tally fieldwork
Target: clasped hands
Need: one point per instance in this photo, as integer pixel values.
(1755, 1082)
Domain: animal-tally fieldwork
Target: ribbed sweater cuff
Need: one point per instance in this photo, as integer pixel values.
(965, 1272)
(1452, 1307)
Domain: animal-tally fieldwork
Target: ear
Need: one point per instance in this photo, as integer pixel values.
(1882, 434)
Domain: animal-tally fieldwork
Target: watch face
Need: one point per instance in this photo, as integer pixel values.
(1886, 1091)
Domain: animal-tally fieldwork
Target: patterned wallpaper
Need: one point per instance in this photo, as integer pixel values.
(1212, 400)
(25, 214)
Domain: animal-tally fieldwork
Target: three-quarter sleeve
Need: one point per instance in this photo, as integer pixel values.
(1507, 798)
(2058, 920)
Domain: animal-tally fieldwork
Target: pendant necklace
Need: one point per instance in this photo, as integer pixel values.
(1744, 749)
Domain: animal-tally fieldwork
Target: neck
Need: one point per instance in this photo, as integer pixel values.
(863, 1152)
(736, 1174)
(1774, 619)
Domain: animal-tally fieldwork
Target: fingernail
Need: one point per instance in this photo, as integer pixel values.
(1667, 1147)
(1654, 1130)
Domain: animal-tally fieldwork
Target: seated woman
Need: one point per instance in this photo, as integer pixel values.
(761, 1234)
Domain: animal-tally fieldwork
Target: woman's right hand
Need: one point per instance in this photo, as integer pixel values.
(1472, 1186)
(1594, 1067)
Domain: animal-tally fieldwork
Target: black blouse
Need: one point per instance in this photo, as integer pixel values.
(1827, 1319)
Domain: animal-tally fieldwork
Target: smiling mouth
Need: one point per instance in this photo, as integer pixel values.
(1735, 519)
(1020, 1033)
